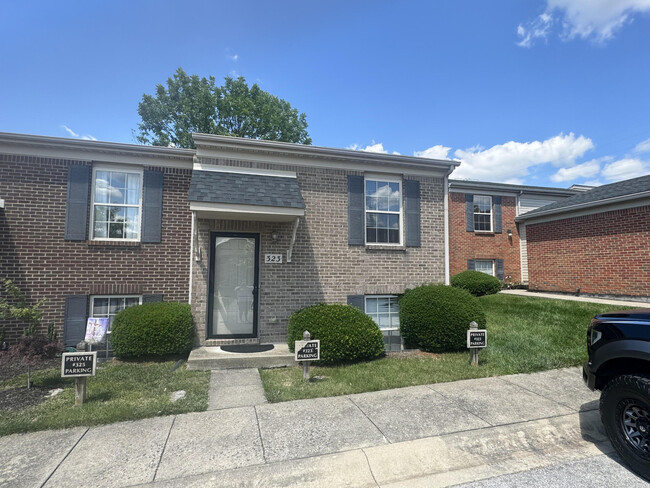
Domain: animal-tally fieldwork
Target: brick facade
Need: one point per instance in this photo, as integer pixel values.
(465, 245)
(602, 253)
(35, 256)
(324, 267)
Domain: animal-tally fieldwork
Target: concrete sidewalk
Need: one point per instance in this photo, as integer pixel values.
(434, 435)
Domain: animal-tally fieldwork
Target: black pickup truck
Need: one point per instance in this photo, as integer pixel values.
(618, 344)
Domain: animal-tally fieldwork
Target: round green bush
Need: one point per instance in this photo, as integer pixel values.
(346, 334)
(477, 283)
(435, 318)
(153, 329)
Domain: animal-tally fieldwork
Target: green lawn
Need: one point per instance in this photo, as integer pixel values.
(524, 335)
(119, 391)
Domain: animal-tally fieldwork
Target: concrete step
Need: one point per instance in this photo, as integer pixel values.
(213, 357)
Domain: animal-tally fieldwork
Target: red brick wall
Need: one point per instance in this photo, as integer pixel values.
(465, 245)
(606, 253)
(34, 254)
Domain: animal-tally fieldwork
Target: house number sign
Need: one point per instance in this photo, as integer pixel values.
(273, 258)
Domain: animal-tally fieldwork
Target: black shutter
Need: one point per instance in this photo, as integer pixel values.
(76, 214)
(152, 198)
(497, 214)
(500, 272)
(357, 301)
(152, 298)
(74, 320)
(412, 212)
(470, 265)
(356, 228)
(469, 212)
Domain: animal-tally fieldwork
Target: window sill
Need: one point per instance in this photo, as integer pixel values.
(484, 232)
(375, 248)
(114, 243)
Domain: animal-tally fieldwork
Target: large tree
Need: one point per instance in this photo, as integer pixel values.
(192, 104)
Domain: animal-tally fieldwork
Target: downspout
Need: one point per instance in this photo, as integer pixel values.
(446, 225)
(189, 300)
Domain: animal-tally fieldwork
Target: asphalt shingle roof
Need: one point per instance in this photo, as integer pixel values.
(247, 189)
(597, 195)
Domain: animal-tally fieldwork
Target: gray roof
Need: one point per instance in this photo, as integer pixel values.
(247, 189)
(600, 195)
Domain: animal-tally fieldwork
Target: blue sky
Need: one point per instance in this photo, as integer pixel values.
(549, 92)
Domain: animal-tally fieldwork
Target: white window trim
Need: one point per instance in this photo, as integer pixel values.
(491, 231)
(494, 271)
(365, 307)
(92, 301)
(121, 169)
(388, 179)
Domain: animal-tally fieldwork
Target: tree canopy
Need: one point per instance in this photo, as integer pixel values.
(191, 104)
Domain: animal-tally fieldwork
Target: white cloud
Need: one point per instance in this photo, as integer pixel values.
(234, 57)
(598, 20)
(434, 152)
(511, 161)
(626, 168)
(584, 170)
(643, 146)
(373, 148)
(593, 183)
(87, 137)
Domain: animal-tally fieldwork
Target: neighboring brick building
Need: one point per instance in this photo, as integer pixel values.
(483, 235)
(596, 242)
(94, 227)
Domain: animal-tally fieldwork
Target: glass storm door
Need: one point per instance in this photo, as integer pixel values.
(232, 304)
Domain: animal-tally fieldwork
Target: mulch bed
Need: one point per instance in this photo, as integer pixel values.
(14, 399)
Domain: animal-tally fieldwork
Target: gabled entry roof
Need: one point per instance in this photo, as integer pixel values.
(245, 196)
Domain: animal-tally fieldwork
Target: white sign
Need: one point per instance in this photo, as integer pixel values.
(307, 350)
(96, 330)
(273, 258)
(476, 338)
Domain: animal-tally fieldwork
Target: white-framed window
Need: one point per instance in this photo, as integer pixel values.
(384, 310)
(484, 266)
(482, 213)
(107, 306)
(116, 204)
(383, 209)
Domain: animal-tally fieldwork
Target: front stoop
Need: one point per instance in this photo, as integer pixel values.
(212, 357)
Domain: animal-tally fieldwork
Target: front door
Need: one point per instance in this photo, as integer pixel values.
(232, 299)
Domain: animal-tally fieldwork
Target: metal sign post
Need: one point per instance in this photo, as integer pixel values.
(307, 350)
(476, 339)
(79, 365)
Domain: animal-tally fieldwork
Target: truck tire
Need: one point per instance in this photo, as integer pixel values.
(625, 412)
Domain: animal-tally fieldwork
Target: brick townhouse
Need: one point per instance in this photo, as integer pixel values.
(596, 242)
(246, 231)
(483, 233)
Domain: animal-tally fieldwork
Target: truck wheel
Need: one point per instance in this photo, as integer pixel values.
(625, 412)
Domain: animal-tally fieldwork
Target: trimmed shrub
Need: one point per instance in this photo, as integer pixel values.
(346, 334)
(435, 318)
(477, 283)
(153, 329)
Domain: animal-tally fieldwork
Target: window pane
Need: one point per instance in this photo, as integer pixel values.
(131, 231)
(371, 305)
(371, 235)
(393, 236)
(382, 305)
(116, 304)
(133, 182)
(131, 301)
(382, 235)
(115, 195)
(382, 221)
(371, 187)
(117, 214)
(384, 321)
(118, 180)
(394, 203)
(371, 220)
(393, 221)
(116, 231)
(100, 307)
(484, 266)
(101, 213)
(132, 214)
(100, 229)
(101, 186)
(133, 197)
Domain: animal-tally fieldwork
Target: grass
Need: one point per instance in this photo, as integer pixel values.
(119, 391)
(524, 335)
